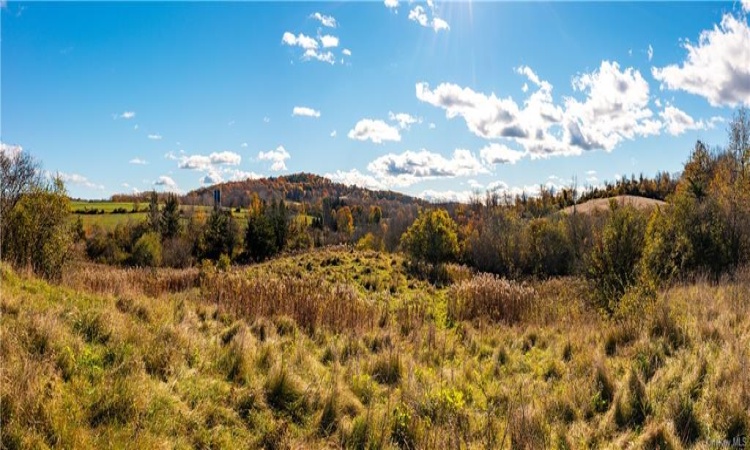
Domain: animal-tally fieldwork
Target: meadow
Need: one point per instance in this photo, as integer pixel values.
(341, 348)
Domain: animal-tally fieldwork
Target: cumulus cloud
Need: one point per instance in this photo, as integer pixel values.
(449, 196)
(74, 178)
(650, 52)
(204, 162)
(312, 46)
(404, 120)
(615, 107)
(127, 115)
(326, 21)
(375, 130)
(333, 133)
(677, 121)
(717, 67)
(167, 183)
(320, 56)
(278, 158)
(393, 4)
(746, 6)
(154, 137)
(409, 167)
(306, 42)
(499, 154)
(329, 41)
(346, 52)
(138, 161)
(355, 178)
(305, 112)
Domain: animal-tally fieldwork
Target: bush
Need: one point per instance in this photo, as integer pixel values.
(36, 232)
(613, 263)
(147, 251)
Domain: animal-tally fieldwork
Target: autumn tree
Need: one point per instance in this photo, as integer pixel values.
(432, 238)
(344, 221)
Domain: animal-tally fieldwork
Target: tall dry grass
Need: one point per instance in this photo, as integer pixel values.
(103, 279)
(311, 302)
(490, 297)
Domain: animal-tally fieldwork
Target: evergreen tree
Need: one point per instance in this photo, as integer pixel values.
(260, 236)
(170, 218)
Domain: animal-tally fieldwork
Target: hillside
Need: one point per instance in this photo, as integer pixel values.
(602, 204)
(301, 187)
(342, 349)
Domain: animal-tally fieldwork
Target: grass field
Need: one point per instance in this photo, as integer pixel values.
(109, 220)
(338, 348)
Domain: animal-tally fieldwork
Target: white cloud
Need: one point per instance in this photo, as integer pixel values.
(746, 6)
(278, 157)
(431, 126)
(449, 196)
(326, 21)
(355, 178)
(238, 175)
(614, 108)
(305, 111)
(419, 15)
(329, 41)
(404, 120)
(474, 184)
(154, 137)
(243, 145)
(203, 162)
(717, 67)
(393, 4)
(333, 133)
(138, 161)
(440, 24)
(167, 183)
(10, 150)
(375, 130)
(499, 154)
(127, 115)
(591, 172)
(650, 52)
(409, 167)
(677, 121)
(80, 180)
(311, 46)
(320, 56)
(306, 42)
(211, 177)
(427, 17)
(346, 52)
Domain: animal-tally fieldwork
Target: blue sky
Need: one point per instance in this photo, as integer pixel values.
(431, 99)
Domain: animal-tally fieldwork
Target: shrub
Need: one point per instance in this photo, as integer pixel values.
(147, 251)
(614, 260)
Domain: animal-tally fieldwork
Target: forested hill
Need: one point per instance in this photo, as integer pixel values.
(300, 187)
